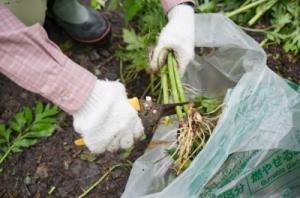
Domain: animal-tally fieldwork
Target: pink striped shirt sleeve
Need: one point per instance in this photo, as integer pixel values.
(35, 63)
(168, 4)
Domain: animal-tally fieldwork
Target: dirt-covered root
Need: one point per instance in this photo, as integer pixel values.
(193, 135)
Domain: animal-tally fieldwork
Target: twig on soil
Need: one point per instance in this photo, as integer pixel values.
(105, 62)
(102, 178)
(52, 189)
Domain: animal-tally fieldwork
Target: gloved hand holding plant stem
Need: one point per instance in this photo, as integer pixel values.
(177, 35)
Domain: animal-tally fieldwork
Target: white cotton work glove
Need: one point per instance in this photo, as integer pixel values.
(178, 35)
(107, 122)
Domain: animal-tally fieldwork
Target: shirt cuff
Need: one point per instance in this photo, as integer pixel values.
(169, 4)
(70, 88)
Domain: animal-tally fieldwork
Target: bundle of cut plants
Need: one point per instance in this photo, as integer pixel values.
(196, 120)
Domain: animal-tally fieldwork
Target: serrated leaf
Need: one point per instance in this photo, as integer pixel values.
(50, 110)
(28, 115)
(132, 40)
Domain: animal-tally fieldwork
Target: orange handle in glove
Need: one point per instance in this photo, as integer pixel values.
(134, 103)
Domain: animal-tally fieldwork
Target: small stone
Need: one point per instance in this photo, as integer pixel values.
(111, 76)
(67, 163)
(27, 180)
(42, 171)
(24, 95)
(97, 72)
(116, 174)
(105, 53)
(94, 56)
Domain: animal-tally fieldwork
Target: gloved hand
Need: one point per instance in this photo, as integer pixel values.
(107, 121)
(177, 35)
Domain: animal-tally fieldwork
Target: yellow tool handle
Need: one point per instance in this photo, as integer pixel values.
(134, 103)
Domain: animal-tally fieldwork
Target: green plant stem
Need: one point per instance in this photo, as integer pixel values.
(152, 80)
(245, 8)
(11, 147)
(265, 41)
(101, 179)
(265, 30)
(6, 154)
(245, 3)
(174, 87)
(179, 86)
(164, 85)
(257, 16)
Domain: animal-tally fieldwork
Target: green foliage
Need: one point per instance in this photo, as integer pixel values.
(147, 19)
(281, 15)
(97, 4)
(25, 128)
(131, 8)
(205, 104)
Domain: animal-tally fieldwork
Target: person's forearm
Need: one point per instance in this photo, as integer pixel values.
(34, 62)
(169, 4)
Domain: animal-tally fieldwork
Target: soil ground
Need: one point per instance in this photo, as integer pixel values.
(55, 161)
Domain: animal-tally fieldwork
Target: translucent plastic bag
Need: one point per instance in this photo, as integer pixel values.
(255, 148)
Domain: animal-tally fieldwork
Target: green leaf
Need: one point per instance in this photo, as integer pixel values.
(16, 150)
(50, 110)
(47, 120)
(2, 141)
(39, 108)
(133, 41)
(207, 7)
(113, 4)
(126, 153)
(28, 114)
(3, 132)
(24, 143)
(20, 120)
(15, 126)
(40, 134)
(66, 45)
(87, 156)
(42, 126)
(41, 130)
(131, 8)
(97, 4)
